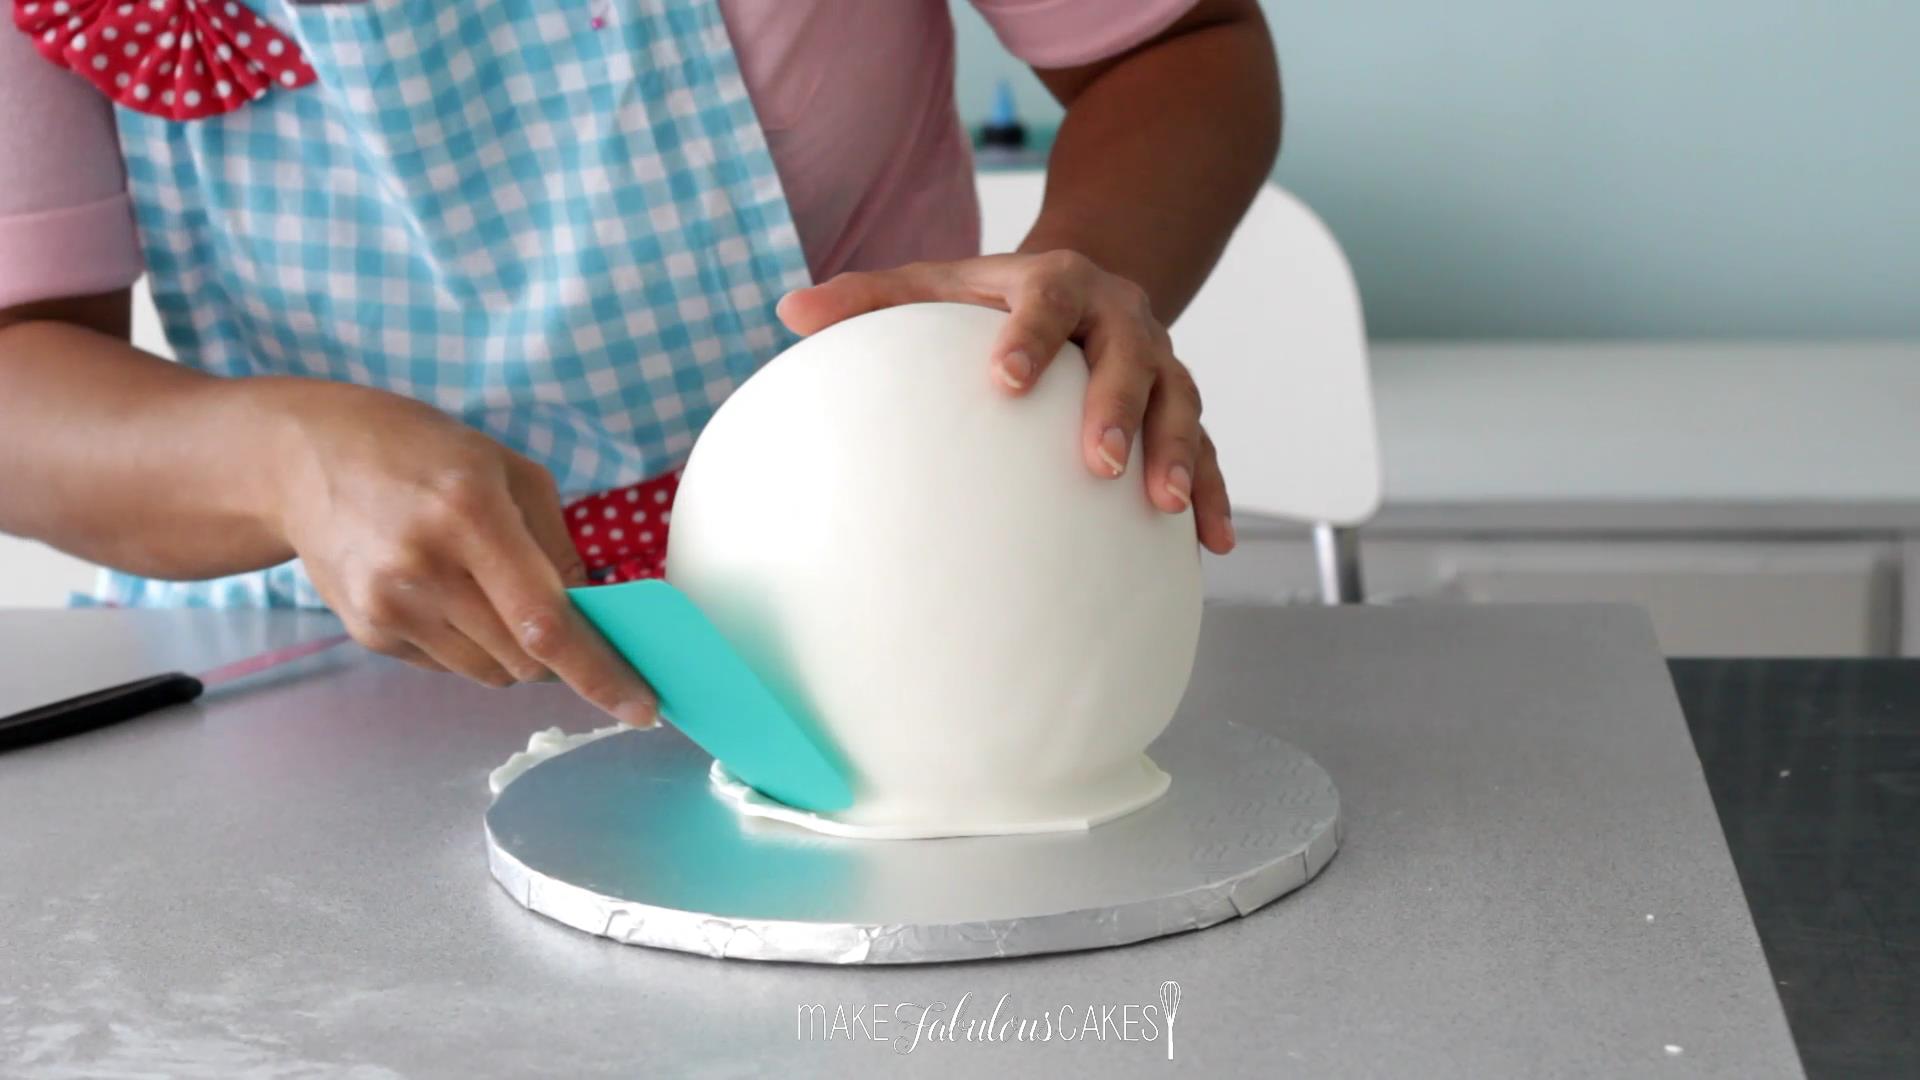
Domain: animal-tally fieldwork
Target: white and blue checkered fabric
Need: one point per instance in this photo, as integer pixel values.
(571, 239)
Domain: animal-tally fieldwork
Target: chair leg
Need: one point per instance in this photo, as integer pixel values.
(1336, 551)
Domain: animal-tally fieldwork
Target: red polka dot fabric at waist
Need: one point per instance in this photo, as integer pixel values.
(622, 534)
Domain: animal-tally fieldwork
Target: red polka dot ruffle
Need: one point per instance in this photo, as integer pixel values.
(622, 534)
(176, 59)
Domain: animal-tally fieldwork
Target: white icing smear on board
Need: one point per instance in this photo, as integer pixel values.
(545, 744)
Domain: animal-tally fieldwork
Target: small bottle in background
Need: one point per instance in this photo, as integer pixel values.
(1002, 141)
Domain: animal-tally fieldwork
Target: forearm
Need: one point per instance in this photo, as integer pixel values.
(1162, 151)
(125, 459)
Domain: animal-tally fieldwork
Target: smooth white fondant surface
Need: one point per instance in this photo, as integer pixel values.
(988, 633)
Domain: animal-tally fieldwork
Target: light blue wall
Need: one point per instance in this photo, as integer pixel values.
(1514, 168)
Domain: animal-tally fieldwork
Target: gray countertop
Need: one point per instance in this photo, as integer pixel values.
(290, 879)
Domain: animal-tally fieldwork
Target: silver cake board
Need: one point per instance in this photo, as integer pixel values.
(625, 839)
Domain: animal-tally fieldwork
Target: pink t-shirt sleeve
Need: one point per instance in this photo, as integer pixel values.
(1068, 33)
(66, 226)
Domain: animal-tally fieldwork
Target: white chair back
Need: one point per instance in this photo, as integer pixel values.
(1277, 343)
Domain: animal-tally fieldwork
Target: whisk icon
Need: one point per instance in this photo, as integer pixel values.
(1169, 1005)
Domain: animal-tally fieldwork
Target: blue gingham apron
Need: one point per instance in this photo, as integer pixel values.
(569, 238)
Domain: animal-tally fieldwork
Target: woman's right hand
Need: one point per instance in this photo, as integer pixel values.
(436, 544)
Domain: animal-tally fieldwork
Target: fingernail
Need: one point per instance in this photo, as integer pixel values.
(1233, 536)
(1180, 484)
(1113, 450)
(1015, 369)
(640, 714)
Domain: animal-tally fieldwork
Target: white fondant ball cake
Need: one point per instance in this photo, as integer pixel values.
(987, 633)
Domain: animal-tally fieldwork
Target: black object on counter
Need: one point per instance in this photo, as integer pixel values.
(97, 709)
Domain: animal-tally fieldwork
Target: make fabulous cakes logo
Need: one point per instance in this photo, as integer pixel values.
(911, 1026)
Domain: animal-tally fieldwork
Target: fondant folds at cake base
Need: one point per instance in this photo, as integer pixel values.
(1128, 788)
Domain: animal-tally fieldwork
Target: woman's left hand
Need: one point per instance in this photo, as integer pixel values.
(1136, 389)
